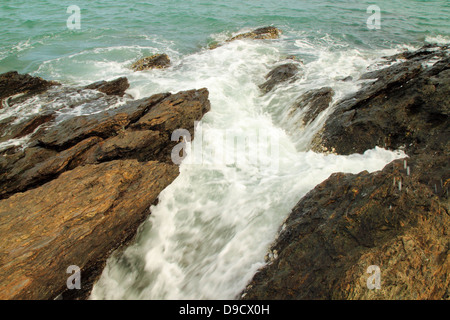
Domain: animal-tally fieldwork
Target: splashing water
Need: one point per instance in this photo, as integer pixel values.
(213, 225)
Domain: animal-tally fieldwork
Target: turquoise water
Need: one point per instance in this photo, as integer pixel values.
(35, 31)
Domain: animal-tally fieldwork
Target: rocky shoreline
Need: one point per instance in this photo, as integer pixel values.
(83, 184)
(396, 219)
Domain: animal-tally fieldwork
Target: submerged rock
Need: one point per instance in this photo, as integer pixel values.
(313, 102)
(260, 33)
(279, 75)
(257, 34)
(15, 86)
(156, 61)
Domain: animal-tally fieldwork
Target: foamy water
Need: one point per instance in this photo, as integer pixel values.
(213, 225)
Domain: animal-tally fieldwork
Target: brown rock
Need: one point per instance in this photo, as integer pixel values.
(113, 87)
(77, 219)
(407, 107)
(260, 33)
(156, 61)
(12, 84)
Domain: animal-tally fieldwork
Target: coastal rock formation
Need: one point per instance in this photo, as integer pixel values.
(267, 33)
(313, 102)
(82, 185)
(279, 75)
(396, 219)
(260, 33)
(351, 222)
(114, 87)
(15, 86)
(156, 61)
(76, 219)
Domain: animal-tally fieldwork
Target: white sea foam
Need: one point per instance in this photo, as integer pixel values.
(213, 225)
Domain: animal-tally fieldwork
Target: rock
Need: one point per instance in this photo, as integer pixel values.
(350, 222)
(407, 107)
(257, 34)
(139, 130)
(396, 219)
(76, 219)
(156, 61)
(15, 86)
(113, 87)
(260, 33)
(314, 102)
(82, 186)
(13, 129)
(278, 75)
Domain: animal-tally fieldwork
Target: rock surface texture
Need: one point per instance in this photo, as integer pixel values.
(397, 219)
(82, 186)
(156, 61)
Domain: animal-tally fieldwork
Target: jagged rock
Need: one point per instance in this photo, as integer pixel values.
(314, 102)
(260, 33)
(257, 34)
(407, 107)
(350, 222)
(113, 87)
(278, 75)
(82, 186)
(156, 61)
(139, 130)
(12, 129)
(15, 86)
(76, 219)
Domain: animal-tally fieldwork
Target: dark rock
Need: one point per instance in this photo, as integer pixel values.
(278, 75)
(350, 222)
(157, 61)
(397, 218)
(407, 107)
(15, 86)
(257, 34)
(113, 87)
(346, 79)
(314, 102)
(139, 130)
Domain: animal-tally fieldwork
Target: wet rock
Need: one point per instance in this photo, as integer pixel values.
(257, 34)
(260, 33)
(13, 129)
(279, 75)
(139, 130)
(15, 86)
(406, 107)
(156, 61)
(350, 222)
(82, 186)
(396, 219)
(113, 87)
(76, 219)
(314, 102)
